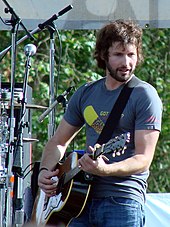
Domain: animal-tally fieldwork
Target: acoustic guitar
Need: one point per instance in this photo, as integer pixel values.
(73, 187)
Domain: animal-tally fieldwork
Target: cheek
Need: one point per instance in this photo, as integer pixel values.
(134, 62)
(113, 61)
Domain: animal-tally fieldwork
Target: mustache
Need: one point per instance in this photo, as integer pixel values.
(123, 68)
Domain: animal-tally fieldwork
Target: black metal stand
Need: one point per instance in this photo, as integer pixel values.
(9, 200)
(17, 167)
(12, 212)
(51, 125)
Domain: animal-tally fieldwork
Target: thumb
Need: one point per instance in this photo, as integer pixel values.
(55, 172)
(54, 176)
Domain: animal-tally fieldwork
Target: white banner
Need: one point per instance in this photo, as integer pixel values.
(158, 210)
(88, 14)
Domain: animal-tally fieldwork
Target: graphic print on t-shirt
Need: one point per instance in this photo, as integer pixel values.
(93, 119)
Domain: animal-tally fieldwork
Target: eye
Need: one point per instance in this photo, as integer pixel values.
(118, 54)
(131, 54)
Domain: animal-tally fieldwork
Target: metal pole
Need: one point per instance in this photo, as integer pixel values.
(51, 125)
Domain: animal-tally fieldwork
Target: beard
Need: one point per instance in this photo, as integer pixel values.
(117, 75)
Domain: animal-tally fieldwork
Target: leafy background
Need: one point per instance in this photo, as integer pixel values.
(74, 66)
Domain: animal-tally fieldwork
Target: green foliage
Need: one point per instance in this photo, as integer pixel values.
(77, 66)
(156, 70)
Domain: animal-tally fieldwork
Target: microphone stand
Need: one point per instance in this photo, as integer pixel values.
(15, 20)
(18, 155)
(49, 24)
(51, 125)
(9, 199)
(38, 29)
(9, 211)
(59, 99)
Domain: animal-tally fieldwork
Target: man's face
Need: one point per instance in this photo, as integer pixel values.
(122, 61)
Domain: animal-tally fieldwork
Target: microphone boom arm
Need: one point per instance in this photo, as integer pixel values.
(39, 28)
(59, 99)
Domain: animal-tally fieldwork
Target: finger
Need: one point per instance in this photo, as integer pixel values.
(86, 163)
(50, 194)
(46, 183)
(91, 149)
(51, 174)
(47, 187)
(55, 172)
(105, 158)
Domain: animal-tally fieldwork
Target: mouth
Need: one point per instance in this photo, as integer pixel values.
(124, 71)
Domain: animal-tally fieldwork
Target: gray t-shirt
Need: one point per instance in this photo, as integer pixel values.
(91, 105)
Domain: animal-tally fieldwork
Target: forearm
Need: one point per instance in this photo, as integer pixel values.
(145, 141)
(56, 146)
(52, 154)
(130, 166)
(127, 167)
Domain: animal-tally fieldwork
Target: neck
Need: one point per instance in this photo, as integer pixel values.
(112, 84)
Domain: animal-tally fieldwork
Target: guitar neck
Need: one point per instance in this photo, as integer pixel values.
(112, 146)
(72, 173)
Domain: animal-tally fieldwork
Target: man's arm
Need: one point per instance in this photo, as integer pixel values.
(53, 153)
(145, 143)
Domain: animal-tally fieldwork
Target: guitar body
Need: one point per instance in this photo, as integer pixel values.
(69, 201)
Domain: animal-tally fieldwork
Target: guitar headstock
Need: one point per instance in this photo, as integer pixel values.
(116, 145)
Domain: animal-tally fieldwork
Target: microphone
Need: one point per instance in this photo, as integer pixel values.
(30, 50)
(55, 17)
(59, 99)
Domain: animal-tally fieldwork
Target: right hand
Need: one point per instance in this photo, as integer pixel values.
(47, 181)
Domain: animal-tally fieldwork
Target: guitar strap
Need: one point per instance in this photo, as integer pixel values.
(116, 111)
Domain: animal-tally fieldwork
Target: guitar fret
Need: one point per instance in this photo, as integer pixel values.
(69, 175)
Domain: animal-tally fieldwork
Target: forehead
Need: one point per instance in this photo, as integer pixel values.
(118, 46)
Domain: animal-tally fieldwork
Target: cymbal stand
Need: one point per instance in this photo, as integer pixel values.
(14, 22)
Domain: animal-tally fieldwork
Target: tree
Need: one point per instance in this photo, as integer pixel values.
(76, 66)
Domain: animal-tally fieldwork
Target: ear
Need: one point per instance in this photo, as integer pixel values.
(102, 56)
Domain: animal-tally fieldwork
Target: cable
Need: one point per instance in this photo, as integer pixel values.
(59, 58)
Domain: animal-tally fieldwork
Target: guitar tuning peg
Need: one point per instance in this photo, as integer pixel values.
(123, 151)
(128, 137)
(118, 153)
(96, 146)
(114, 154)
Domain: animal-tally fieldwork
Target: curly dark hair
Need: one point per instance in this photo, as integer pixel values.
(123, 31)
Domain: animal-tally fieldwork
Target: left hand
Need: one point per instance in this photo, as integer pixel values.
(96, 167)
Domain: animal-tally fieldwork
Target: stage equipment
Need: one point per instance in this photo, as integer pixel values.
(49, 24)
(59, 99)
(17, 167)
(10, 218)
(38, 29)
(12, 127)
(14, 214)
(7, 181)
(4, 137)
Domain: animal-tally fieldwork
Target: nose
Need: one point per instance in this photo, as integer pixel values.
(125, 60)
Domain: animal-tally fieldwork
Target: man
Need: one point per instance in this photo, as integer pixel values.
(119, 184)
